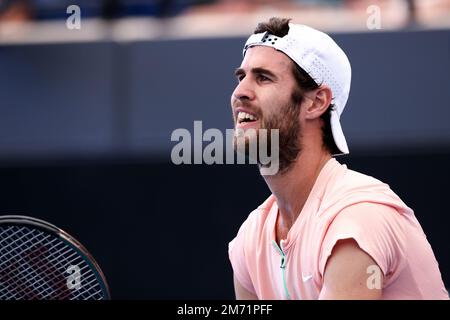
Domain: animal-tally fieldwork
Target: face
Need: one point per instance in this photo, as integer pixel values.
(264, 99)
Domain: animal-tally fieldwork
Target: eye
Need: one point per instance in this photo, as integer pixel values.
(263, 78)
(240, 77)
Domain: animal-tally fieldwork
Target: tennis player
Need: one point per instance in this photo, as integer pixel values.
(325, 232)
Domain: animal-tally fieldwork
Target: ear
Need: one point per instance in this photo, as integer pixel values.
(321, 99)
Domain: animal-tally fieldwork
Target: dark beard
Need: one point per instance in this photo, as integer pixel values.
(287, 122)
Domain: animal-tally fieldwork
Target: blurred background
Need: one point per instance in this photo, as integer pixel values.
(86, 117)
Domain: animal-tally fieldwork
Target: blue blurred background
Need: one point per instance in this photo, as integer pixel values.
(86, 118)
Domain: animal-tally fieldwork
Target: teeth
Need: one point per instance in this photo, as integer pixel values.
(245, 115)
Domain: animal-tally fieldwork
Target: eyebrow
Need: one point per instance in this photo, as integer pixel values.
(239, 71)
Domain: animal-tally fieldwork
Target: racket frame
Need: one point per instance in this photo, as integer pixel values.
(23, 220)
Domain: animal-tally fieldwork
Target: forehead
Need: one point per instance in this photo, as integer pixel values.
(268, 58)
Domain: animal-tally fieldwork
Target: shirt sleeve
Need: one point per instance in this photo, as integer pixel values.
(377, 229)
(236, 254)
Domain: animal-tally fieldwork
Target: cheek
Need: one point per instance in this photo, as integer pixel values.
(282, 114)
(271, 107)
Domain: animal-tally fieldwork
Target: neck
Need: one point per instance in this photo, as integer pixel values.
(292, 188)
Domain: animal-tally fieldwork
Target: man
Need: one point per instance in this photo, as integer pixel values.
(326, 232)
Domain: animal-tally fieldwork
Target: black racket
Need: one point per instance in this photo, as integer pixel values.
(39, 261)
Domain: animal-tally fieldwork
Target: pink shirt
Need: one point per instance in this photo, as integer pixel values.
(342, 204)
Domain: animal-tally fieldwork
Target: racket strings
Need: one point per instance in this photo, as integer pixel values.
(34, 278)
(41, 279)
(34, 265)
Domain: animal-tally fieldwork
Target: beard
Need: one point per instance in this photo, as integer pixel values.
(286, 120)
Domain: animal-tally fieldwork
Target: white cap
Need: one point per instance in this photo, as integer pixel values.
(317, 54)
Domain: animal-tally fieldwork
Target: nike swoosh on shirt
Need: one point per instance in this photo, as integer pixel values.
(306, 278)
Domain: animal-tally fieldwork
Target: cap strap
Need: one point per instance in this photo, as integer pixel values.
(262, 39)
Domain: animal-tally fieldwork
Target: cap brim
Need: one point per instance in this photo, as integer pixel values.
(338, 134)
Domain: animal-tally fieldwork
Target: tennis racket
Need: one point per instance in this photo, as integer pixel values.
(39, 261)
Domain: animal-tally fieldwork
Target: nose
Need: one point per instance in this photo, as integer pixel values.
(244, 90)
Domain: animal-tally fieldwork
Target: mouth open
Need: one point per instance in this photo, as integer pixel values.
(245, 119)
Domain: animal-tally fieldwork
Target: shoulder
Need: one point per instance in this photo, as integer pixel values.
(351, 180)
(253, 225)
(369, 214)
(352, 191)
(378, 230)
(241, 249)
(370, 222)
(257, 217)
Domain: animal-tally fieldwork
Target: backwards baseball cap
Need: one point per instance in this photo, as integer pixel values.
(325, 62)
